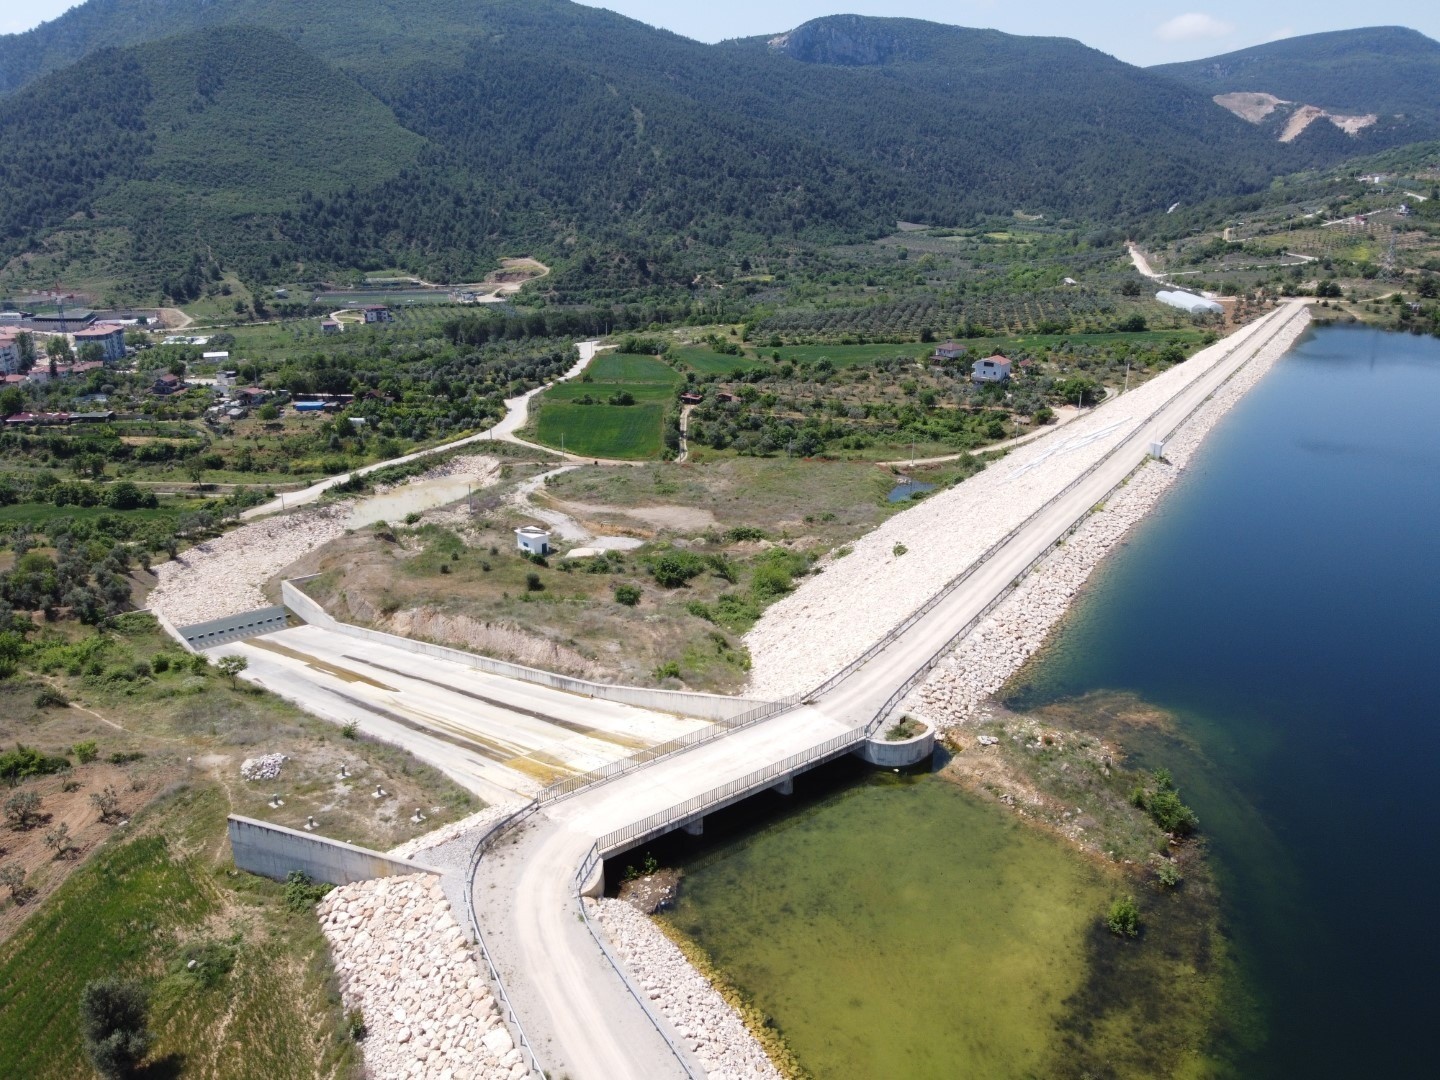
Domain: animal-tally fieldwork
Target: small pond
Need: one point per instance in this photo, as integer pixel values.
(908, 489)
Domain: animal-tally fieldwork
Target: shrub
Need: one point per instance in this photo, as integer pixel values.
(355, 1025)
(350, 730)
(24, 762)
(533, 582)
(113, 1023)
(1168, 874)
(700, 610)
(125, 757)
(160, 663)
(770, 580)
(744, 532)
(629, 595)
(675, 568)
(898, 550)
(47, 697)
(1123, 919)
(302, 894)
(668, 670)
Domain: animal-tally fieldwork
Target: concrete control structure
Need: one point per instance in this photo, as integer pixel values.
(533, 540)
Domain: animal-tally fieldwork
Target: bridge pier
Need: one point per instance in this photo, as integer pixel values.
(897, 753)
(785, 787)
(694, 828)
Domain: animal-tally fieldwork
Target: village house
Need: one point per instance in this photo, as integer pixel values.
(167, 384)
(691, 398)
(991, 369)
(948, 353)
(330, 326)
(376, 313)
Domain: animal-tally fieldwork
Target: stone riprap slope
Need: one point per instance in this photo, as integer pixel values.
(403, 961)
(1019, 626)
(860, 597)
(704, 1021)
(223, 577)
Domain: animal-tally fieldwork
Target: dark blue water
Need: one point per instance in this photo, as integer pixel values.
(1284, 603)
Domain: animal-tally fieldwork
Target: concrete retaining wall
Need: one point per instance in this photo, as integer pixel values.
(879, 751)
(714, 707)
(274, 851)
(208, 635)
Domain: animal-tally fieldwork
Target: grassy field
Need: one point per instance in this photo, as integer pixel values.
(142, 895)
(707, 361)
(579, 416)
(261, 1001)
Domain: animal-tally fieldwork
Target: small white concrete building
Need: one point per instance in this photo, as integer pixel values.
(532, 540)
(991, 369)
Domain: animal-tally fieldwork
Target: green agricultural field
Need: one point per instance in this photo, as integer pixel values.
(262, 1004)
(613, 367)
(844, 356)
(707, 361)
(629, 432)
(580, 417)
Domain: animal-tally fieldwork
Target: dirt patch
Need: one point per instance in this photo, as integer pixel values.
(680, 519)
(47, 867)
(653, 892)
(1251, 107)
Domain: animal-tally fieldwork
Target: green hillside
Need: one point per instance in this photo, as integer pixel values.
(438, 135)
(165, 149)
(1388, 70)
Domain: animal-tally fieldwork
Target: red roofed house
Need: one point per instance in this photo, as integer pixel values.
(991, 369)
(376, 313)
(167, 384)
(948, 353)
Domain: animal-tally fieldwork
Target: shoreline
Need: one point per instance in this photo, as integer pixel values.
(875, 584)
(981, 665)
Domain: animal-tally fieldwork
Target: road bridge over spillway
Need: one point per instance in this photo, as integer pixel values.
(581, 1017)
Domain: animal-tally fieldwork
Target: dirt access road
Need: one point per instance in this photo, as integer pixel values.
(517, 411)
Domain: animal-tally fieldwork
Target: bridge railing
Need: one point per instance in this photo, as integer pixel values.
(760, 778)
(562, 788)
(502, 996)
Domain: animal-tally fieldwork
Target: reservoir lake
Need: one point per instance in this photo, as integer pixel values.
(1280, 610)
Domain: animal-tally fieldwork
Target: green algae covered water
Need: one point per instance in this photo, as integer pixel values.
(898, 927)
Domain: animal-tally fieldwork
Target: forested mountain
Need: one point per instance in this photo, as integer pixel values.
(438, 134)
(1388, 71)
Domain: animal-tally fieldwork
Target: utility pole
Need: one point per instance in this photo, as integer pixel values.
(1127, 378)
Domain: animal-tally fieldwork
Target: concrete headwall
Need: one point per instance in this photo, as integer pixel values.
(274, 851)
(898, 754)
(714, 707)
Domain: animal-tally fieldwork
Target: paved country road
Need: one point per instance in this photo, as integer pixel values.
(580, 1016)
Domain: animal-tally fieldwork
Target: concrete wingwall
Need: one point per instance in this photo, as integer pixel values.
(714, 707)
(274, 851)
